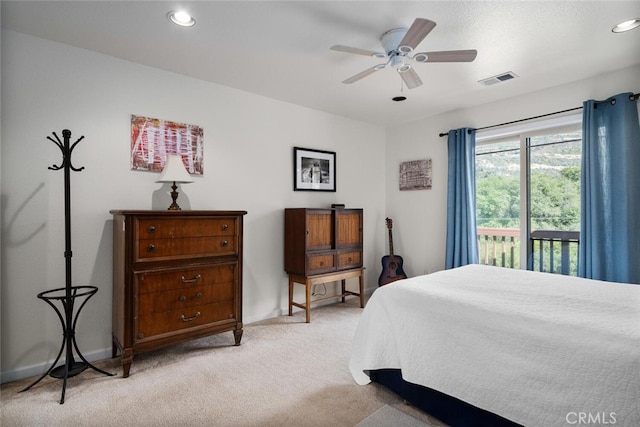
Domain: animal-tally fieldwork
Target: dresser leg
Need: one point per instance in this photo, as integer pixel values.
(237, 335)
(127, 360)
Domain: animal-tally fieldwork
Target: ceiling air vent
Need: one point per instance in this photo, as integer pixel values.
(499, 78)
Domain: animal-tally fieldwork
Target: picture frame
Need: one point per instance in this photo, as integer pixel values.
(314, 170)
(153, 140)
(416, 175)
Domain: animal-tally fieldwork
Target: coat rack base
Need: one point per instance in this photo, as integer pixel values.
(68, 297)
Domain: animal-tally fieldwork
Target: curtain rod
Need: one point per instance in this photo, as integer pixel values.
(633, 97)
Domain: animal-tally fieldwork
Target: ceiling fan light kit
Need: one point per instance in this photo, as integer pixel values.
(398, 43)
(421, 57)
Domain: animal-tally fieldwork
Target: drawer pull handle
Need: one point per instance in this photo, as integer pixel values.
(151, 229)
(349, 259)
(224, 243)
(189, 319)
(151, 248)
(182, 298)
(321, 263)
(195, 279)
(199, 295)
(225, 227)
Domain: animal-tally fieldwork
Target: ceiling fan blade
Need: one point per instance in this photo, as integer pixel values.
(362, 74)
(357, 51)
(411, 78)
(417, 32)
(447, 56)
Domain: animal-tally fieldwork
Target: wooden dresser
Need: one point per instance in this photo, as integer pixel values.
(323, 245)
(177, 275)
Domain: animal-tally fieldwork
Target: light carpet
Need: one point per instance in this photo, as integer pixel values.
(285, 372)
(388, 416)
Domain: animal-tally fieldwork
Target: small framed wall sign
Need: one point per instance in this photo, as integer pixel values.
(314, 170)
(415, 175)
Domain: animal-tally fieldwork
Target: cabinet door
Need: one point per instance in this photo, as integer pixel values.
(349, 228)
(319, 230)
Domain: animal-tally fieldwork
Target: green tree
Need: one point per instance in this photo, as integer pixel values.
(498, 202)
(571, 173)
(555, 201)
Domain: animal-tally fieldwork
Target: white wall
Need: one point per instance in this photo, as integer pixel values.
(419, 217)
(249, 142)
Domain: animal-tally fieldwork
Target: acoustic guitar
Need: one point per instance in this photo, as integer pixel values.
(391, 264)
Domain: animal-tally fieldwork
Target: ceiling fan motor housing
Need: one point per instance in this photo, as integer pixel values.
(392, 38)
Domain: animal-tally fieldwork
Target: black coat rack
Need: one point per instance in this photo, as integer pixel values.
(69, 295)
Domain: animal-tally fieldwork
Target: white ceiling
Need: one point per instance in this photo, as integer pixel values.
(281, 49)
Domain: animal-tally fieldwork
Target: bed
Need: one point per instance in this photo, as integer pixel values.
(482, 345)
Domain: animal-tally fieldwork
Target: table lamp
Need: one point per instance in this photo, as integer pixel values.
(174, 171)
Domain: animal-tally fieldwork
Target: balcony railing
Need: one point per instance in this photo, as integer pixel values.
(499, 246)
(555, 251)
(550, 251)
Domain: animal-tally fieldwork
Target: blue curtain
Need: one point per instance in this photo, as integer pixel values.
(462, 240)
(610, 190)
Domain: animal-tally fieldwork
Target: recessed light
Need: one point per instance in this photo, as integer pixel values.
(181, 18)
(626, 25)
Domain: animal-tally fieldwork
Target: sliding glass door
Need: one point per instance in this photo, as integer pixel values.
(553, 188)
(528, 201)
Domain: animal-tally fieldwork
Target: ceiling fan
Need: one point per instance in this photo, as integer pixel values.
(398, 45)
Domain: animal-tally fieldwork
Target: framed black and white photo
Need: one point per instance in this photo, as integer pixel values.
(314, 170)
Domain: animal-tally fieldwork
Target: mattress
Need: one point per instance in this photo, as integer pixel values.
(535, 348)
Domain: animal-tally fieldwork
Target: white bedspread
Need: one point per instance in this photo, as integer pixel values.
(538, 349)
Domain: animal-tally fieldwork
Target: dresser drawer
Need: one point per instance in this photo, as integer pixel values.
(350, 259)
(192, 296)
(183, 318)
(321, 262)
(160, 228)
(149, 249)
(186, 278)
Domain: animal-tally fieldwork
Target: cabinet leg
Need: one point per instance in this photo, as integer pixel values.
(344, 288)
(361, 283)
(307, 306)
(290, 296)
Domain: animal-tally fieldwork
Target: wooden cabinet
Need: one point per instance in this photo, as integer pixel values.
(322, 240)
(177, 275)
(321, 246)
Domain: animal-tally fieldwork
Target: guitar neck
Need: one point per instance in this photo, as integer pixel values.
(390, 243)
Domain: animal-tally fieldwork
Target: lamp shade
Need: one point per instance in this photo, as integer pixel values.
(174, 171)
